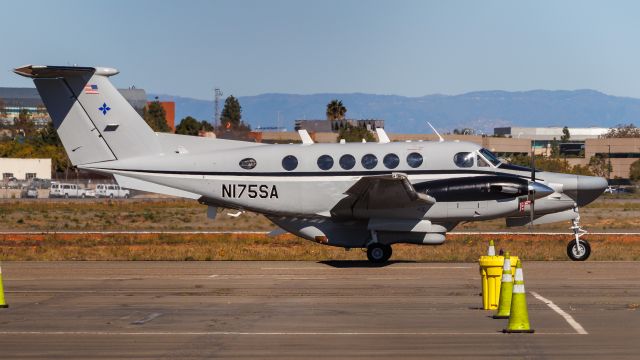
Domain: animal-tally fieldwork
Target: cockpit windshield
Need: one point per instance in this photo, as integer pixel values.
(490, 156)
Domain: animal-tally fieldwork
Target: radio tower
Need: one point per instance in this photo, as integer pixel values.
(216, 116)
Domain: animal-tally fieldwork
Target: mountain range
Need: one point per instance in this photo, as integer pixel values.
(481, 110)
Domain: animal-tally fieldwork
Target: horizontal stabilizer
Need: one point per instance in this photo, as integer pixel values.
(131, 183)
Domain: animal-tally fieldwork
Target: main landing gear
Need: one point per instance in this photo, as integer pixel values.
(578, 250)
(378, 253)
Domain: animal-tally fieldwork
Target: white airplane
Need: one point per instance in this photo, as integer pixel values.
(355, 195)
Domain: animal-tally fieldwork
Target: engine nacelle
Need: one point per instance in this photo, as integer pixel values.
(477, 188)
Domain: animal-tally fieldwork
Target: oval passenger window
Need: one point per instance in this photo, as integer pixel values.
(463, 159)
(391, 161)
(369, 161)
(414, 159)
(248, 163)
(347, 162)
(289, 162)
(325, 162)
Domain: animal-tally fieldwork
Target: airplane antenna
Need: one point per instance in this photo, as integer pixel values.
(383, 138)
(435, 131)
(305, 137)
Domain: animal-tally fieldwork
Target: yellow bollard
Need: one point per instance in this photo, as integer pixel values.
(491, 273)
(3, 303)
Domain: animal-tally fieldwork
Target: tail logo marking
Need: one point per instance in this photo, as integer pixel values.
(91, 89)
(104, 108)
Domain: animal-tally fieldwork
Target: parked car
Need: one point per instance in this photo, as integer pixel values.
(40, 183)
(111, 191)
(65, 190)
(13, 183)
(29, 192)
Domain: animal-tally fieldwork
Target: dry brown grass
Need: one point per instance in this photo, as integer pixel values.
(177, 247)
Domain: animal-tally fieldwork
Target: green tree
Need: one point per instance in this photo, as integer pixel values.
(336, 110)
(600, 166)
(49, 135)
(156, 117)
(231, 116)
(623, 131)
(565, 135)
(206, 126)
(188, 126)
(355, 134)
(555, 148)
(3, 109)
(23, 124)
(634, 171)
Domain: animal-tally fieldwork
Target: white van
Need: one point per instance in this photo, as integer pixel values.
(66, 191)
(111, 191)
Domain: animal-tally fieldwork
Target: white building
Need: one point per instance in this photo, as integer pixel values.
(25, 169)
(548, 133)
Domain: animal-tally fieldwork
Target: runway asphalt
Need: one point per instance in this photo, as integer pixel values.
(185, 310)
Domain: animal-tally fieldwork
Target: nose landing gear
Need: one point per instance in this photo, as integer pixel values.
(578, 250)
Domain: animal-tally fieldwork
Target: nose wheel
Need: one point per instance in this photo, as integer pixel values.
(578, 250)
(379, 253)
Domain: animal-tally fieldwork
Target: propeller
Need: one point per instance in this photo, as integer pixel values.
(532, 188)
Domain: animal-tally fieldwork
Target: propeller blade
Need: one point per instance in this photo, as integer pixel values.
(533, 164)
(532, 191)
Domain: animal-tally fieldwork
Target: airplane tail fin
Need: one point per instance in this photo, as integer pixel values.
(94, 121)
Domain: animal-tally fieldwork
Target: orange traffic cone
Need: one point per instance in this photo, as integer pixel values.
(506, 288)
(519, 317)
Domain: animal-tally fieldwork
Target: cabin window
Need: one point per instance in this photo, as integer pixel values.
(391, 161)
(463, 159)
(369, 161)
(414, 159)
(289, 162)
(248, 163)
(481, 162)
(347, 162)
(490, 156)
(325, 162)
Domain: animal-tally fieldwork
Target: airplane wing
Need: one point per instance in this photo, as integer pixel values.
(381, 192)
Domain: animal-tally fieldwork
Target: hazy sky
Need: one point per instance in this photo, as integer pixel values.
(408, 48)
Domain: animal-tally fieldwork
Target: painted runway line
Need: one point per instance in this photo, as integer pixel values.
(574, 324)
(258, 333)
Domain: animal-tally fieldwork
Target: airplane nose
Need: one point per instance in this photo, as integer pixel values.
(589, 188)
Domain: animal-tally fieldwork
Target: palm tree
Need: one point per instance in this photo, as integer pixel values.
(335, 110)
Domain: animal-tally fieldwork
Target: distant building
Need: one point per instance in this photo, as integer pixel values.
(542, 137)
(549, 133)
(14, 100)
(336, 125)
(25, 169)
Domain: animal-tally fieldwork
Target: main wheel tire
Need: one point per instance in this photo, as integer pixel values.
(379, 253)
(580, 253)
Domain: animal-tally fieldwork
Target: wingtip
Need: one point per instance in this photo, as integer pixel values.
(24, 70)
